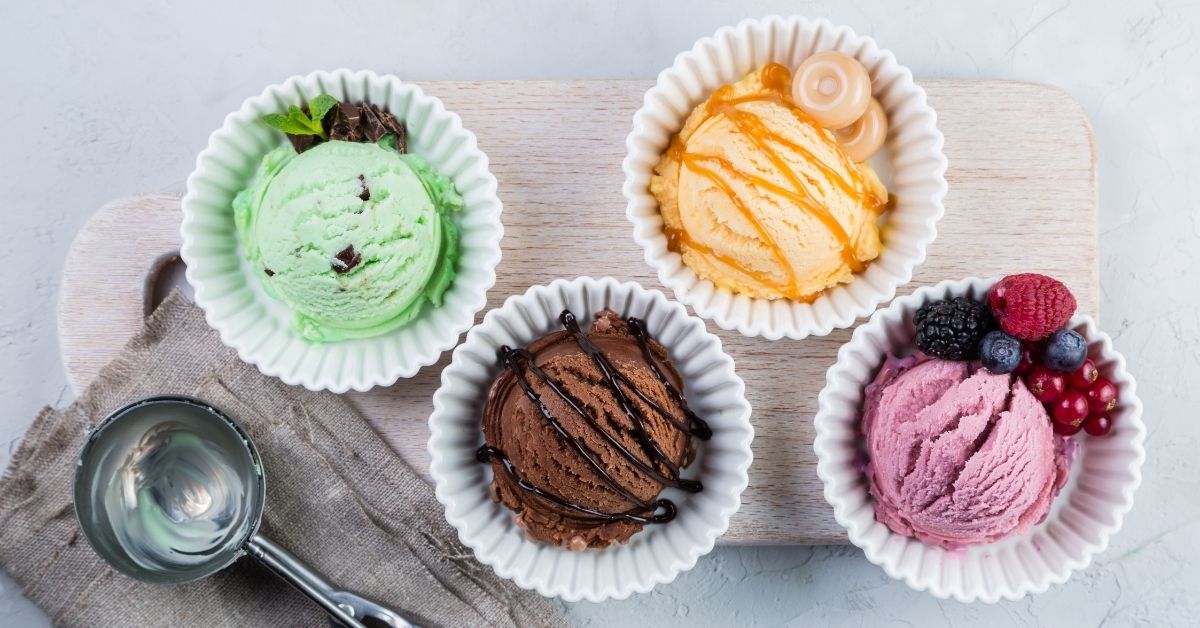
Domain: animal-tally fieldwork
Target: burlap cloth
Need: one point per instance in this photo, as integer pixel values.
(337, 496)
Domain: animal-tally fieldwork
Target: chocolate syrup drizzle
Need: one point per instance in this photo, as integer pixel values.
(520, 361)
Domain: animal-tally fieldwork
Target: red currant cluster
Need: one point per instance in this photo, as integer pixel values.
(1035, 309)
(1079, 400)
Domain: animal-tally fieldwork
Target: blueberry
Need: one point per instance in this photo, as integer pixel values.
(1000, 352)
(1065, 351)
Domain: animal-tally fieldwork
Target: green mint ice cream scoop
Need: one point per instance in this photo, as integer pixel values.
(353, 237)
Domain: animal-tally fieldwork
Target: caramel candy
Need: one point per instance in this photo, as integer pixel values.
(861, 139)
(833, 88)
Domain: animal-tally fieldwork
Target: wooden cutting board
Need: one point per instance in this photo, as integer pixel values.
(1022, 198)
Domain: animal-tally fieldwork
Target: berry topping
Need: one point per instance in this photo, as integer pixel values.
(1031, 306)
(1065, 351)
(1101, 396)
(1030, 354)
(952, 329)
(1098, 424)
(1045, 384)
(1000, 352)
(1067, 429)
(1084, 376)
(1071, 407)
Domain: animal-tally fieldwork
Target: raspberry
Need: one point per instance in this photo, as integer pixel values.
(1031, 306)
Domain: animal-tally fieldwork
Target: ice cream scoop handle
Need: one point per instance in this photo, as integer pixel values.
(348, 608)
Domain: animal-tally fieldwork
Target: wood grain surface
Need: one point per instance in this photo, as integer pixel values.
(1022, 198)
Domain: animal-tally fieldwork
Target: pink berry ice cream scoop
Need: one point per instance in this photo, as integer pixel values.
(958, 455)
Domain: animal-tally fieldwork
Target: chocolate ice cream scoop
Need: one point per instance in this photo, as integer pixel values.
(584, 430)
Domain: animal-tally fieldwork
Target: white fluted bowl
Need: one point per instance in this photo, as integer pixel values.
(1083, 517)
(258, 326)
(659, 552)
(911, 164)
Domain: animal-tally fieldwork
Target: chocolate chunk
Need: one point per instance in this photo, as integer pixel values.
(303, 142)
(346, 260)
(365, 194)
(343, 123)
(393, 127)
(269, 272)
(364, 122)
(401, 137)
(372, 126)
(350, 122)
(388, 124)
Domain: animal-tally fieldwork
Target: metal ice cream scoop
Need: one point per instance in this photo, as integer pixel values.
(169, 490)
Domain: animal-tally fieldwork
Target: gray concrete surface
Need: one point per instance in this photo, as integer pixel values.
(104, 99)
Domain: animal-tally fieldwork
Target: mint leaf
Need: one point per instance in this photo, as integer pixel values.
(286, 124)
(296, 122)
(301, 118)
(320, 106)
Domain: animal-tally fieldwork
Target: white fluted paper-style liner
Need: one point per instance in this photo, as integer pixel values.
(258, 326)
(659, 552)
(1083, 517)
(911, 164)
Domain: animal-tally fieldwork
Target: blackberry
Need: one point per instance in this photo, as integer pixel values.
(953, 329)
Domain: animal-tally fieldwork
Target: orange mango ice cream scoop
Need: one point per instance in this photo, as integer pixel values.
(760, 199)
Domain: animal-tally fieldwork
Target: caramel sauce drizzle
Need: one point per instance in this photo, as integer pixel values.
(805, 202)
(776, 80)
